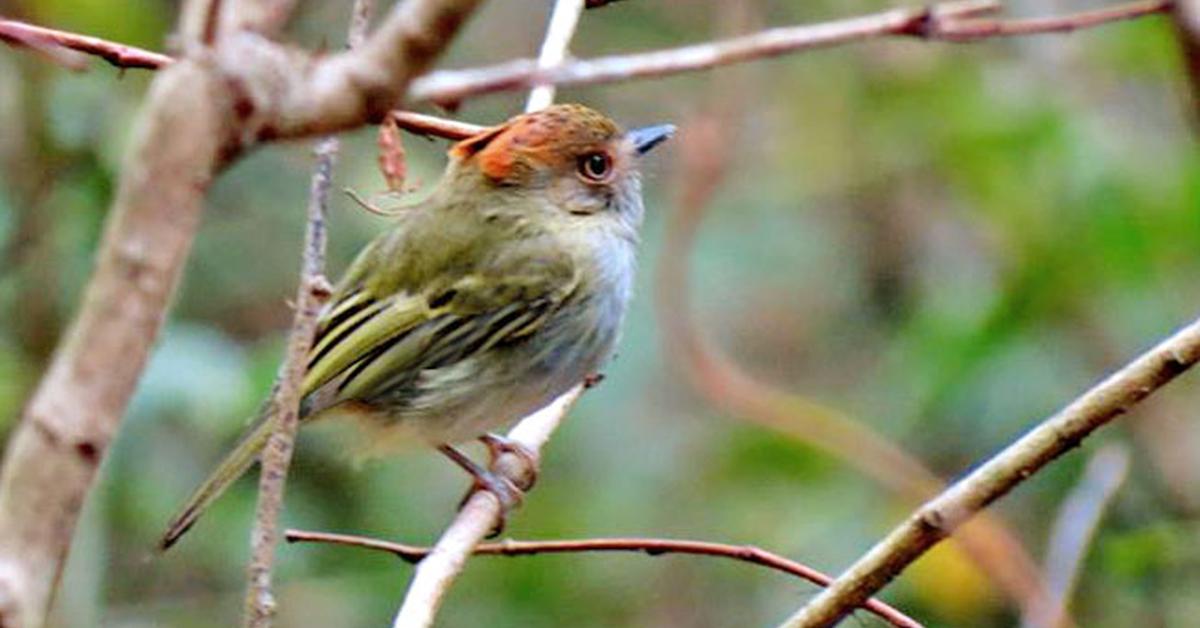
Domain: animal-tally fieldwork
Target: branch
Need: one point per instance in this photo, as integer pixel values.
(946, 22)
(311, 294)
(121, 56)
(1076, 524)
(973, 29)
(477, 517)
(563, 20)
(65, 428)
(1186, 17)
(652, 547)
(49, 41)
(422, 124)
(313, 96)
(1047, 441)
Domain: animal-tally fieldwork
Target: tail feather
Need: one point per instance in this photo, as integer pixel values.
(236, 462)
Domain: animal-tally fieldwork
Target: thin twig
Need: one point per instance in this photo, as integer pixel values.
(1076, 525)
(423, 124)
(563, 20)
(935, 23)
(119, 55)
(285, 403)
(1053, 437)
(650, 546)
(311, 295)
(475, 519)
(972, 29)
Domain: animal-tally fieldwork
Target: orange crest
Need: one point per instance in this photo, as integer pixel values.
(545, 138)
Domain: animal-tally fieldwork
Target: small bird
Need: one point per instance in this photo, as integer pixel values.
(489, 299)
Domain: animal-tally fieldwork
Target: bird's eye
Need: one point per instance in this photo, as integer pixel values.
(595, 166)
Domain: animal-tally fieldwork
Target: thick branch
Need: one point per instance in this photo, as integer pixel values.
(1047, 441)
(344, 90)
(66, 427)
(651, 547)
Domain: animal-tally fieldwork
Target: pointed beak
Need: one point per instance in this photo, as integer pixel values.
(648, 137)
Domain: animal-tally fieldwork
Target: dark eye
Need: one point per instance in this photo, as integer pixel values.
(594, 166)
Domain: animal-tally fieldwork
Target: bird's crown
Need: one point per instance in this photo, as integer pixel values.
(550, 138)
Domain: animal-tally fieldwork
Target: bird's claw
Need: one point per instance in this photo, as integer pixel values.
(527, 472)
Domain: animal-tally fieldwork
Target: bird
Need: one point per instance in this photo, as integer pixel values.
(499, 292)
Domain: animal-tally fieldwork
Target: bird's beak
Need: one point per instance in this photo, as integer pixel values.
(648, 137)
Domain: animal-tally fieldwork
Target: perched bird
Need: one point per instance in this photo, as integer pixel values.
(500, 292)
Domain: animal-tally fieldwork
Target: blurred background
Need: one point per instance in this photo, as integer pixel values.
(939, 243)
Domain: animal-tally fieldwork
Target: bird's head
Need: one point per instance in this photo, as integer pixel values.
(582, 161)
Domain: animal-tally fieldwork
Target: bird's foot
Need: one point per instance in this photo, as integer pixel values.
(507, 493)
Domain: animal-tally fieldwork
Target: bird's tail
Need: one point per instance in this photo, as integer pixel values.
(231, 468)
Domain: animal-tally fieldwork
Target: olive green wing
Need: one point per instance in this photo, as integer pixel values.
(369, 345)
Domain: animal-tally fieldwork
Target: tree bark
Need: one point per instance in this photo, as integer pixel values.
(70, 420)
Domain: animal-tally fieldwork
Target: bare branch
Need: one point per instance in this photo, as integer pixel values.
(1186, 17)
(333, 93)
(65, 429)
(1053, 437)
(563, 20)
(276, 457)
(422, 124)
(945, 21)
(50, 41)
(649, 546)
(973, 29)
(119, 55)
(311, 294)
(1076, 525)
(475, 519)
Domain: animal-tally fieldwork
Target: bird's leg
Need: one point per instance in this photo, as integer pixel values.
(506, 492)
(499, 445)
